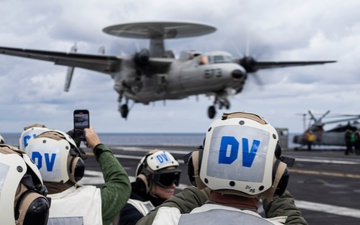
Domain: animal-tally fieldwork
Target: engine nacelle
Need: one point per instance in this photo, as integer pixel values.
(248, 63)
(142, 57)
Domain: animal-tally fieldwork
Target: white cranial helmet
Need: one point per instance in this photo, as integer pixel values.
(238, 154)
(29, 132)
(157, 167)
(57, 156)
(22, 193)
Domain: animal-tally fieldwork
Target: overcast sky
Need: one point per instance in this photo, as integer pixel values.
(32, 90)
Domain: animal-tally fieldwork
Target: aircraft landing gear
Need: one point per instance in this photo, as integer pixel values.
(124, 110)
(222, 102)
(211, 112)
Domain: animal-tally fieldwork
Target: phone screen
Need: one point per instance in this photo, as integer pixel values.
(81, 121)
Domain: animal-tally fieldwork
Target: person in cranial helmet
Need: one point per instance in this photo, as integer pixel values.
(156, 178)
(29, 132)
(23, 198)
(239, 164)
(61, 165)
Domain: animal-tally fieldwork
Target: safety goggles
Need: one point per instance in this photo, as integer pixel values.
(167, 178)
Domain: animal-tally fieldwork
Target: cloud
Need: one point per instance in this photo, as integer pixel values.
(32, 91)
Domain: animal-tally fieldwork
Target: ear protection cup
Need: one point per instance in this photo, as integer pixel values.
(188, 159)
(32, 207)
(75, 165)
(278, 151)
(142, 183)
(282, 184)
(281, 187)
(191, 170)
(194, 165)
(284, 179)
(76, 168)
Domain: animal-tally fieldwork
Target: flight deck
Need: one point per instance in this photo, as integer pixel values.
(325, 184)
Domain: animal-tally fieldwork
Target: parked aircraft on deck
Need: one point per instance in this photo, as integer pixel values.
(334, 136)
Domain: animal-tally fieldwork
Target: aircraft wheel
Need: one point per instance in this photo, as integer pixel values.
(124, 110)
(227, 104)
(211, 112)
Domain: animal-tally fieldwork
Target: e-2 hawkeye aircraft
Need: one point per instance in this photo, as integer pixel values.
(155, 74)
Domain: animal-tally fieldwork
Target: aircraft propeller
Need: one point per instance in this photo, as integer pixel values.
(142, 57)
(248, 63)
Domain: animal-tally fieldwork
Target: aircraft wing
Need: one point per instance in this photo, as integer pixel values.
(252, 65)
(101, 63)
(269, 64)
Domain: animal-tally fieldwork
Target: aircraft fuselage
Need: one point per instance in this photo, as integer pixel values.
(184, 78)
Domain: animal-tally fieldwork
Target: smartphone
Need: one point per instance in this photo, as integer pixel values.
(81, 121)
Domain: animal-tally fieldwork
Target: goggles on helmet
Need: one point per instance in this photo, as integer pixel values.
(166, 178)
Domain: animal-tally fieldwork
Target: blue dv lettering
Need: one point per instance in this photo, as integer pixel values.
(162, 158)
(49, 161)
(248, 155)
(26, 139)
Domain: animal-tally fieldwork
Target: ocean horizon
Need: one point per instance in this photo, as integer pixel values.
(141, 139)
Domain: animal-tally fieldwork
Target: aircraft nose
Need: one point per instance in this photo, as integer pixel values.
(238, 74)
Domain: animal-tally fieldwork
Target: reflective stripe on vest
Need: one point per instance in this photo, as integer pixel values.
(142, 207)
(219, 216)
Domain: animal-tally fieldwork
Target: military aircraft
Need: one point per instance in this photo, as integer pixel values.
(331, 137)
(155, 74)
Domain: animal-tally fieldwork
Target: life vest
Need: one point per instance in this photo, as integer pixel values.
(142, 207)
(76, 206)
(213, 214)
(311, 137)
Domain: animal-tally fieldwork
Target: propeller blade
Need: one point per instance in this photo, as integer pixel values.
(257, 79)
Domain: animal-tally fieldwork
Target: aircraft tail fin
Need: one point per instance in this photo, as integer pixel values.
(70, 71)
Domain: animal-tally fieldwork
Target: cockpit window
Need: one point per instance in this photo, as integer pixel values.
(221, 59)
(203, 60)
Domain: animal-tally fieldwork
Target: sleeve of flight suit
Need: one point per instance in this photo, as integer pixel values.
(116, 190)
(284, 205)
(185, 201)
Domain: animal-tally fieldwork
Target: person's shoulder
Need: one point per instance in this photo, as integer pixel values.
(87, 188)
